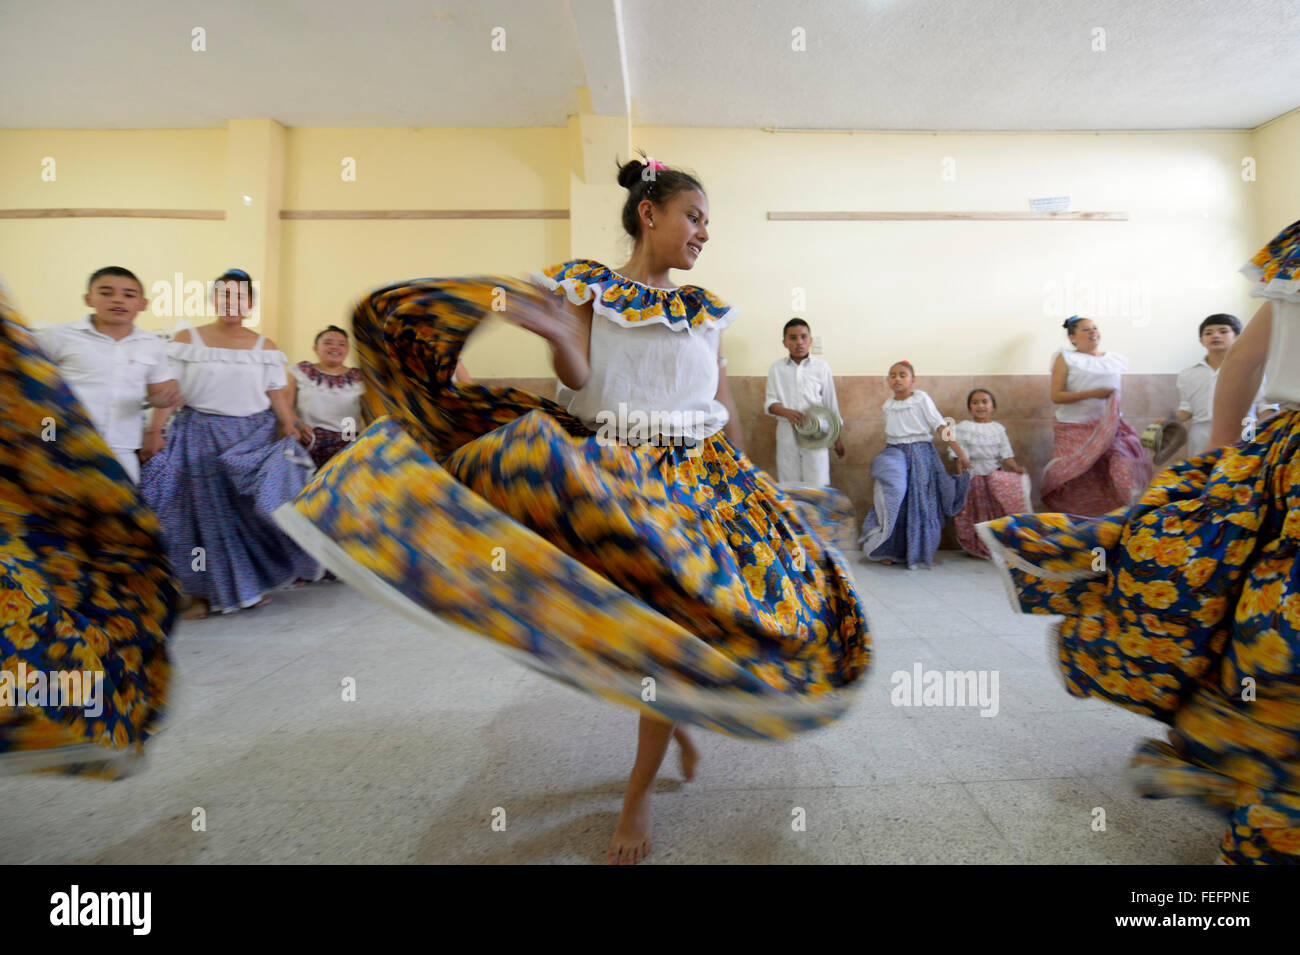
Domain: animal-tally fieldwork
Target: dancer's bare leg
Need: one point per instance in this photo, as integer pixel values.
(689, 755)
(631, 842)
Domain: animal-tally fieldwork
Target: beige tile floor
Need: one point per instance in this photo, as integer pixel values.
(444, 732)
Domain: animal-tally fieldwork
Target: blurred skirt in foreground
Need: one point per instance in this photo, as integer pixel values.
(682, 584)
(86, 594)
(1186, 607)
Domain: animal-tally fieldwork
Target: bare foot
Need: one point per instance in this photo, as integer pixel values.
(631, 842)
(689, 755)
(194, 608)
(261, 603)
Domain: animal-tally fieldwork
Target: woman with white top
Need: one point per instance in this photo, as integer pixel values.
(1098, 462)
(225, 466)
(999, 485)
(327, 395)
(913, 495)
(622, 544)
(1186, 607)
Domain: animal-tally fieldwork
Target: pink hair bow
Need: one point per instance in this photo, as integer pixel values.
(655, 164)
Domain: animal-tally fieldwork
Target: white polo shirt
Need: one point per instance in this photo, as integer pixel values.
(109, 376)
(799, 385)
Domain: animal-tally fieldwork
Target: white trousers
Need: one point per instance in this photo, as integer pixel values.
(796, 465)
(130, 461)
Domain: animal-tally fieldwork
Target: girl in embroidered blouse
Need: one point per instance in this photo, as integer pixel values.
(233, 454)
(639, 555)
(326, 395)
(607, 359)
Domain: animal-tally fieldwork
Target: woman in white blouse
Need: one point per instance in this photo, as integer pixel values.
(233, 455)
(1098, 462)
(999, 484)
(327, 394)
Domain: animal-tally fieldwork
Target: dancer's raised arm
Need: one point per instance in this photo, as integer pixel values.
(1239, 377)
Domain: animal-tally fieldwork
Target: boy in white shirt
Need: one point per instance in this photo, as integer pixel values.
(794, 384)
(113, 367)
(1196, 383)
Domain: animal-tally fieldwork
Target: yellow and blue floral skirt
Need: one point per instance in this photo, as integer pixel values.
(1186, 607)
(86, 595)
(678, 582)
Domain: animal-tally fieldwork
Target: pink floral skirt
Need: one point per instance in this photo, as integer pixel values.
(991, 496)
(1098, 465)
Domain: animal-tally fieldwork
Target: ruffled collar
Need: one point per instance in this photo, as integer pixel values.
(198, 352)
(315, 375)
(632, 304)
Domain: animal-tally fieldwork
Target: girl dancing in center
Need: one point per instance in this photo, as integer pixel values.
(1193, 617)
(624, 543)
(913, 494)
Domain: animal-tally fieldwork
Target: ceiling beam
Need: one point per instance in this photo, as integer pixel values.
(599, 27)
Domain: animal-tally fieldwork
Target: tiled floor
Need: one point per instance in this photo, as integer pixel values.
(445, 735)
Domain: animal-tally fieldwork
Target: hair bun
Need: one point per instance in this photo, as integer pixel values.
(629, 174)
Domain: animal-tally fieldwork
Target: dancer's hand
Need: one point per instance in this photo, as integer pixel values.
(544, 316)
(1102, 392)
(964, 462)
(796, 418)
(839, 449)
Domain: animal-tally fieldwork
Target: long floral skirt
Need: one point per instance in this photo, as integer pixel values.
(1186, 607)
(679, 582)
(1096, 466)
(214, 487)
(991, 496)
(86, 593)
(913, 496)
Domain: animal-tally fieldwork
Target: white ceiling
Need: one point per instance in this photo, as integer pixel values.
(868, 64)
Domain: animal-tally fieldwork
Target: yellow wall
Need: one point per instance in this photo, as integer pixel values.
(46, 262)
(969, 297)
(1277, 189)
(327, 264)
(954, 297)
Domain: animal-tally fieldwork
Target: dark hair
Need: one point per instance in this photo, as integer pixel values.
(1068, 324)
(234, 277)
(114, 270)
(642, 181)
(980, 391)
(325, 331)
(794, 323)
(908, 364)
(1232, 321)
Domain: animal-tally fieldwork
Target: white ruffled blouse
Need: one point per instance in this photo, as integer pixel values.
(985, 443)
(227, 381)
(654, 354)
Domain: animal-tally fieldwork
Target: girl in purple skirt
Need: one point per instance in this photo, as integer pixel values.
(234, 453)
(913, 494)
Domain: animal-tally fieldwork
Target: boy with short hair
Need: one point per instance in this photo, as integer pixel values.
(795, 383)
(112, 366)
(1196, 382)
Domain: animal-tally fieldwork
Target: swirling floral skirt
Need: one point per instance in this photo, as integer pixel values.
(1186, 607)
(86, 595)
(680, 583)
